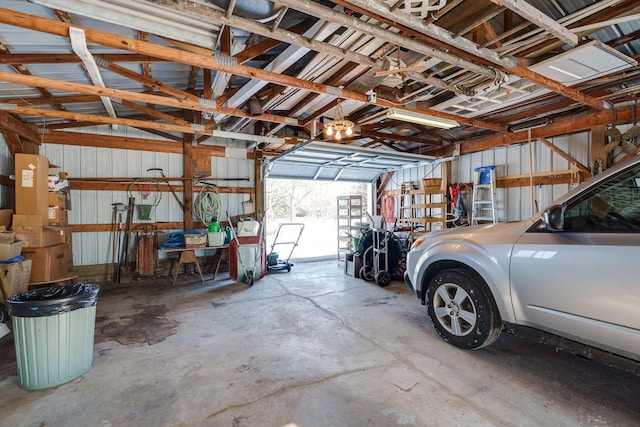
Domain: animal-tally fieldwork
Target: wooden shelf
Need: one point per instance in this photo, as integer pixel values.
(424, 209)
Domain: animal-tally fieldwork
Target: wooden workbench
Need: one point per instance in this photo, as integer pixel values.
(188, 256)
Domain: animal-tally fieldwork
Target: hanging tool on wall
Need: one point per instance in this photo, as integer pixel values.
(116, 241)
(175, 195)
(123, 261)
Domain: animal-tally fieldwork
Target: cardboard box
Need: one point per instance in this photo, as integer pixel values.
(5, 218)
(58, 200)
(57, 216)
(194, 241)
(15, 277)
(30, 220)
(10, 250)
(42, 236)
(7, 236)
(32, 174)
(49, 263)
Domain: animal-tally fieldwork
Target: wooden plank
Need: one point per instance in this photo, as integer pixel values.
(563, 127)
(539, 19)
(566, 156)
(23, 20)
(77, 184)
(129, 143)
(187, 104)
(188, 168)
(18, 127)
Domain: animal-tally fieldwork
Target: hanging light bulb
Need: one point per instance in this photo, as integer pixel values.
(339, 124)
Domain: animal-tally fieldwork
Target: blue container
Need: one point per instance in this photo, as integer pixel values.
(485, 174)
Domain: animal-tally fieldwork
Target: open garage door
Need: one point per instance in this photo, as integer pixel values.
(302, 185)
(335, 162)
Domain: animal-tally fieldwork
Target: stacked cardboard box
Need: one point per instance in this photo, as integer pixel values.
(15, 277)
(41, 218)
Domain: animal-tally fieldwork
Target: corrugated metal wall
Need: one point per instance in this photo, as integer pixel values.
(7, 166)
(515, 203)
(95, 207)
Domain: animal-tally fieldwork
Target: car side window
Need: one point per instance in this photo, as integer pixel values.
(612, 206)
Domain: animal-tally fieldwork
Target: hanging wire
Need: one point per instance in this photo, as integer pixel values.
(207, 206)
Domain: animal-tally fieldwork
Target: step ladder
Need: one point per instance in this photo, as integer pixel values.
(484, 195)
(406, 202)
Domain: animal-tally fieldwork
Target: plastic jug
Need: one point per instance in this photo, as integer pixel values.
(214, 227)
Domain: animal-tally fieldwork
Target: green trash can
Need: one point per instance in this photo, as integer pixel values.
(53, 332)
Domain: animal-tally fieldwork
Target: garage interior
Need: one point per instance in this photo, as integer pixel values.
(174, 102)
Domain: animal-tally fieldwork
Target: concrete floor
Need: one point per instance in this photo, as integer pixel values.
(313, 347)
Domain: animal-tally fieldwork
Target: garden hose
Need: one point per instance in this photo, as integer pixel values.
(207, 205)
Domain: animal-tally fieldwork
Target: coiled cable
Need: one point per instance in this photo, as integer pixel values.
(207, 205)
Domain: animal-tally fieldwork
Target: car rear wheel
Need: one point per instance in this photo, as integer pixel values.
(462, 310)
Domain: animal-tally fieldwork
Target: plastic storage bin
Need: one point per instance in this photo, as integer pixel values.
(53, 332)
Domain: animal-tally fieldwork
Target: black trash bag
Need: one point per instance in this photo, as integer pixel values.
(53, 300)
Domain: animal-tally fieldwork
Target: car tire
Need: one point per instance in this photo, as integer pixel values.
(462, 310)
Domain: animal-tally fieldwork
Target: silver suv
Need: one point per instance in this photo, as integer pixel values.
(572, 270)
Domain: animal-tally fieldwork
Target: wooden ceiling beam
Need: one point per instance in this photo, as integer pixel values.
(154, 84)
(20, 68)
(47, 100)
(188, 104)
(442, 38)
(69, 58)
(153, 113)
(108, 120)
(269, 43)
(17, 126)
(602, 15)
(564, 127)
(13, 141)
(541, 20)
(125, 143)
(23, 20)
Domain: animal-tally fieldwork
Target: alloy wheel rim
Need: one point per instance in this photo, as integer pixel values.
(454, 309)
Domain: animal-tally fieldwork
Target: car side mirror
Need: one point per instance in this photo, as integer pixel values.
(553, 218)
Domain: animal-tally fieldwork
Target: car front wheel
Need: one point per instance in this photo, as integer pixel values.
(462, 310)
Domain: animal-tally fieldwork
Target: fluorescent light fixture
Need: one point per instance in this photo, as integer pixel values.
(422, 119)
(568, 73)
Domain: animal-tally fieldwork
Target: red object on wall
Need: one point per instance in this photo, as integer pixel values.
(389, 208)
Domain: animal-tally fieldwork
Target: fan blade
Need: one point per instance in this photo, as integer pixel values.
(632, 133)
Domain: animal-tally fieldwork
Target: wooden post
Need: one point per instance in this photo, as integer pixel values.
(598, 141)
(258, 187)
(187, 156)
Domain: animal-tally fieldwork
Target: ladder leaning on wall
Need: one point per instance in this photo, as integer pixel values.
(484, 195)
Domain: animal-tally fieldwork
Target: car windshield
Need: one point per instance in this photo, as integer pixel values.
(611, 206)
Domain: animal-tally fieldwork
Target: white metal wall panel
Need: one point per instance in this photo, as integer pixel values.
(515, 203)
(7, 166)
(95, 207)
(513, 195)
